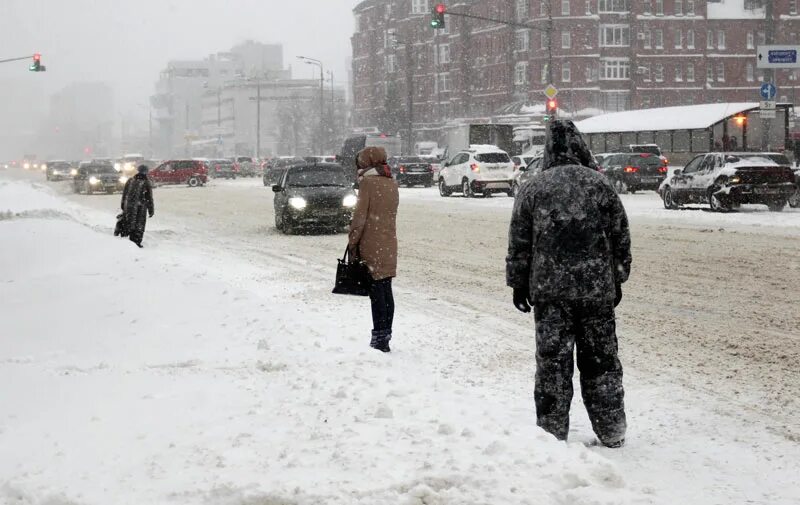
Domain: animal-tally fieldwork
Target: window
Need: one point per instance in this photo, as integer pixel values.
(545, 72)
(721, 72)
(614, 36)
(543, 7)
(659, 7)
(615, 69)
(523, 40)
(710, 40)
(545, 41)
(690, 7)
(647, 8)
(793, 7)
(588, 7)
(521, 73)
(444, 54)
(648, 38)
(391, 64)
(751, 40)
(565, 7)
(645, 71)
(751, 74)
(678, 39)
(762, 38)
(443, 82)
(690, 72)
(566, 40)
(690, 39)
(590, 72)
(721, 39)
(678, 74)
(710, 72)
(521, 10)
(658, 72)
(679, 7)
(419, 6)
(659, 39)
(566, 72)
(613, 6)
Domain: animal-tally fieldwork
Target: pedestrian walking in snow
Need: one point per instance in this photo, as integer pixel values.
(568, 255)
(137, 204)
(373, 238)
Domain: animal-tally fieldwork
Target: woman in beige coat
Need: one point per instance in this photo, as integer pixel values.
(373, 237)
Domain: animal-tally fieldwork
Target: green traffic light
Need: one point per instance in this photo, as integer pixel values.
(434, 23)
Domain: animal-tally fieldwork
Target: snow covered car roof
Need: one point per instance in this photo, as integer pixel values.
(484, 148)
(687, 117)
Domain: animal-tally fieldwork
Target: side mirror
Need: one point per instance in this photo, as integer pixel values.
(677, 171)
(277, 188)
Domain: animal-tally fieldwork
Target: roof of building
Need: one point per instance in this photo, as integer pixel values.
(687, 117)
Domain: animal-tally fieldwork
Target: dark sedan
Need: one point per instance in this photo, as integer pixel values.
(634, 172)
(58, 170)
(314, 196)
(97, 178)
(412, 171)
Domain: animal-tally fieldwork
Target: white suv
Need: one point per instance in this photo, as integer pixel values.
(478, 170)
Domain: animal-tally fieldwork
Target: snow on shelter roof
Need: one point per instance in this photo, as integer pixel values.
(687, 117)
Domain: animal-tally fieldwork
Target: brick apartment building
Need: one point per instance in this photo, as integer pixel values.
(607, 55)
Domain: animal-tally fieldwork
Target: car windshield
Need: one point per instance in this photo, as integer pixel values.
(245, 160)
(58, 165)
(493, 158)
(410, 159)
(646, 149)
(647, 161)
(306, 177)
(99, 169)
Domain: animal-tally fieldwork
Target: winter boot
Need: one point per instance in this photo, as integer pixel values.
(380, 341)
(614, 442)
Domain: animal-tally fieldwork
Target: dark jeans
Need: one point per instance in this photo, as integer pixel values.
(591, 328)
(382, 308)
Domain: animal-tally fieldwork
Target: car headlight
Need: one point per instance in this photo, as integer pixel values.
(56, 172)
(26, 166)
(298, 203)
(117, 167)
(94, 181)
(350, 201)
(123, 180)
(734, 180)
(73, 172)
(44, 167)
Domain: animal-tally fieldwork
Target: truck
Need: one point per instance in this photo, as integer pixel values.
(461, 136)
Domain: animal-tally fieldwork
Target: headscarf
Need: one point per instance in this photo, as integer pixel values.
(564, 145)
(372, 161)
(143, 169)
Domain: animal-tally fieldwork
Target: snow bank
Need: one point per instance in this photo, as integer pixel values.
(161, 375)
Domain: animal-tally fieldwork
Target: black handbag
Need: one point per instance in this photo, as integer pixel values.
(352, 277)
(121, 229)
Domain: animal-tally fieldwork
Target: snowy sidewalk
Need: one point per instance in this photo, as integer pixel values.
(155, 376)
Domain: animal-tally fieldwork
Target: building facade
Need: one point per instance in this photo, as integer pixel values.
(602, 55)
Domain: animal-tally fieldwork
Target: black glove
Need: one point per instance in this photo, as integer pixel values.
(618, 296)
(152, 214)
(522, 299)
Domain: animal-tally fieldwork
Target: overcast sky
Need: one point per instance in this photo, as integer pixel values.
(127, 42)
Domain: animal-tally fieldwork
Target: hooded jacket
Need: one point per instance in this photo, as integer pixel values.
(569, 238)
(373, 231)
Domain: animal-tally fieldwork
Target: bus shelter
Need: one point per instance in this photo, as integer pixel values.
(684, 131)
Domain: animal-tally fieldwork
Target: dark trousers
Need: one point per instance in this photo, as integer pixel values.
(136, 229)
(382, 299)
(591, 328)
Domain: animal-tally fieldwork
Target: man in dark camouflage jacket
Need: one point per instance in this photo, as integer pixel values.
(568, 254)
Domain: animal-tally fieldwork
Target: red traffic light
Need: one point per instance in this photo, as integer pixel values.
(441, 9)
(552, 105)
(37, 57)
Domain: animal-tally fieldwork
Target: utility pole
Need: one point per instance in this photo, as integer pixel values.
(219, 121)
(410, 98)
(550, 41)
(258, 119)
(769, 73)
(333, 99)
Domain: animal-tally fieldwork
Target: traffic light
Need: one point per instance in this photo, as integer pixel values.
(37, 64)
(437, 19)
(551, 109)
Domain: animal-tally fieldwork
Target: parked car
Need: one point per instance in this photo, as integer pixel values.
(526, 173)
(521, 161)
(320, 159)
(314, 195)
(411, 171)
(221, 169)
(97, 178)
(276, 168)
(58, 170)
(634, 172)
(725, 181)
(190, 172)
(245, 166)
(480, 169)
(794, 201)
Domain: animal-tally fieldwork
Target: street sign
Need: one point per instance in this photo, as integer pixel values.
(767, 114)
(778, 56)
(768, 105)
(550, 91)
(768, 91)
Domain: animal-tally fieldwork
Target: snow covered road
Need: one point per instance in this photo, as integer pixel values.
(449, 417)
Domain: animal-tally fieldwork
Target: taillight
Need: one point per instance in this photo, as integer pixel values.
(402, 169)
(663, 170)
(631, 170)
(475, 167)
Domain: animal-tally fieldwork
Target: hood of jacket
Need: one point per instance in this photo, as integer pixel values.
(564, 145)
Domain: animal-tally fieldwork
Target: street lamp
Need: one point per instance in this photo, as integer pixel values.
(318, 63)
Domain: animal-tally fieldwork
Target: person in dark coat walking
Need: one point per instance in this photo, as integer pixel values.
(568, 255)
(137, 204)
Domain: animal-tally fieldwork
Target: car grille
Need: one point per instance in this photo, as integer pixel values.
(326, 202)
